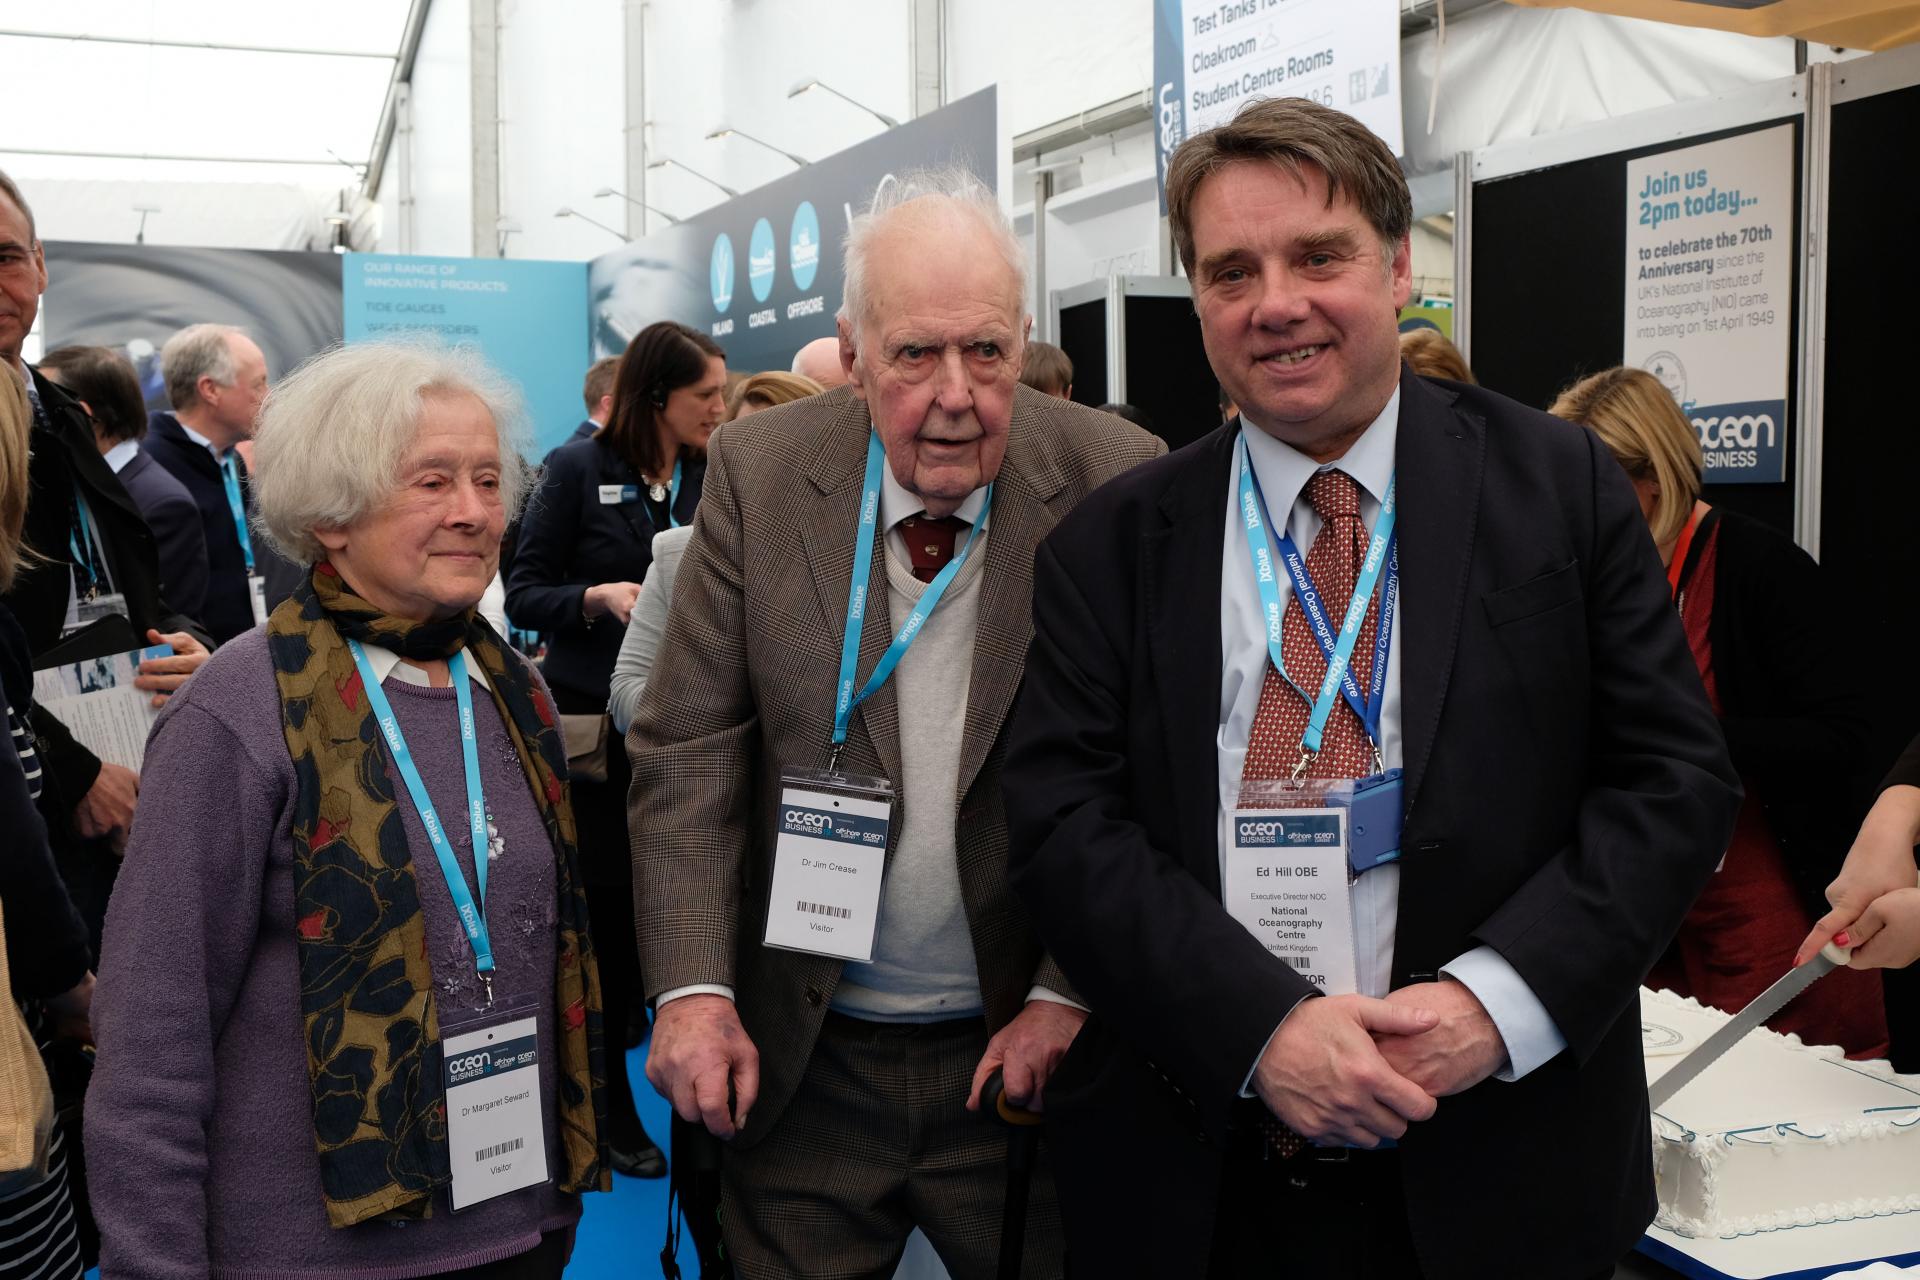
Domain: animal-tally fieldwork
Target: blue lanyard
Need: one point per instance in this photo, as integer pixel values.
(673, 497)
(81, 541)
(847, 699)
(472, 916)
(230, 474)
(1382, 552)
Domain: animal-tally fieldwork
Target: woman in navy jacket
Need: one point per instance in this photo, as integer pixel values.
(584, 550)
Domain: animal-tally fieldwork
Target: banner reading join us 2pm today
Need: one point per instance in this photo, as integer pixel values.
(1709, 277)
(1212, 57)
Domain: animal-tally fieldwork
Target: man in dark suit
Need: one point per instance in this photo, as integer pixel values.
(105, 562)
(216, 381)
(842, 1087)
(1441, 1073)
(598, 393)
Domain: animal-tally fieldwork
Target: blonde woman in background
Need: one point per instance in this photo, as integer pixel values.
(765, 390)
(1754, 608)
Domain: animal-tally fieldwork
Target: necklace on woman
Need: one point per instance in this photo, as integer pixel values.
(658, 492)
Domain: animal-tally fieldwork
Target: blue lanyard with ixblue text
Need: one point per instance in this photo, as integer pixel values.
(82, 542)
(846, 699)
(472, 916)
(237, 504)
(1338, 650)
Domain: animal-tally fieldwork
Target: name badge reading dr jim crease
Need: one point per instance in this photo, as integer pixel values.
(829, 854)
(496, 1140)
(1287, 886)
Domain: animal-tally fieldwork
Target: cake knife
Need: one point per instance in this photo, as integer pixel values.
(1764, 1006)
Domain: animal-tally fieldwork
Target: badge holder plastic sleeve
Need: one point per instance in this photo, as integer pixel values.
(837, 785)
(491, 1024)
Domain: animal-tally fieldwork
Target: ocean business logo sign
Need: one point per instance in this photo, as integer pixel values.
(760, 260)
(803, 246)
(721, 272)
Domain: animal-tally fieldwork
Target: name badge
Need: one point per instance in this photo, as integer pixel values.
(829, 857)
(257, 589)
(1287, 885)
(496, 1135)
(612, 495)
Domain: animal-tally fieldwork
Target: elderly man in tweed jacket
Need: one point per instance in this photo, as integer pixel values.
(848, 1091)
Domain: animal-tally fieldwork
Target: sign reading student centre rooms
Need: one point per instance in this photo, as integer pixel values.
(1212, 57)
(762, 272)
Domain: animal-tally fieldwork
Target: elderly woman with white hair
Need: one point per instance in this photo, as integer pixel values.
(347, 985)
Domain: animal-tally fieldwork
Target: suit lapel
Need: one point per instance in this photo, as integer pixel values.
(1181, 572)
(1440, 450)
(828, 529)
(1030, 479)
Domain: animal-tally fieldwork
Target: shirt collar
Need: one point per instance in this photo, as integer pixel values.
(385, 663)
(898, 503)
(121, 454)
(200, 440)
(1284, 470)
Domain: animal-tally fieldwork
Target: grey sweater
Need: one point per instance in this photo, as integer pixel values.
(200, 1146)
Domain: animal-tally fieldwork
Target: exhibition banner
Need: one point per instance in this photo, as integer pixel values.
(1212, 57)
(761, 273)
(524, 316)
(1709, 281)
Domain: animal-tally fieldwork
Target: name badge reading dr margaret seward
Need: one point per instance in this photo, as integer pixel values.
(496, 1140)
(829, 855)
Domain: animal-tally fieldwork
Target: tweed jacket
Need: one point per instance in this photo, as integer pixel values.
(744, 685)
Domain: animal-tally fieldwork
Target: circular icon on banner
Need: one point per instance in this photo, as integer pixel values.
(803, 246)
(760, 260)
(720, 274)
(1666, 367)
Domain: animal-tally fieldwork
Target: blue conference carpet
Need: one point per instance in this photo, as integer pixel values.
(621, 1233)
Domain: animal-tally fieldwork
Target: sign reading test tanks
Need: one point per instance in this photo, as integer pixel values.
(1709, 278)
(1212, 57)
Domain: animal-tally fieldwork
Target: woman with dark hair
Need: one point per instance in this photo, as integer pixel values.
(109, 394)
(584, 550)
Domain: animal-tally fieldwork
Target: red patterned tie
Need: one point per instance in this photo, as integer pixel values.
(1273, 746)
(1333, 562)
(930, 542)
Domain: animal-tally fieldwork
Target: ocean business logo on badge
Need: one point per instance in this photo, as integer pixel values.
(803, 246)
(721, 272)
(760, 260)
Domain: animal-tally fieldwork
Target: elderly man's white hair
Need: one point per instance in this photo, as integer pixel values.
(198, 351)
(334, 432)
(957, 188)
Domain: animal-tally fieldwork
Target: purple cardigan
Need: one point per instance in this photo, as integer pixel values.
(199, 1129)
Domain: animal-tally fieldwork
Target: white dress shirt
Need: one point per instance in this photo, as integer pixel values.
(121, 454)
(201, 440)
(1524, 1024)
(386, 664)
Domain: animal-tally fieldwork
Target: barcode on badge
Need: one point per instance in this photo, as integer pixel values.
(822, 909)
(488, 1153)
(1298, 962)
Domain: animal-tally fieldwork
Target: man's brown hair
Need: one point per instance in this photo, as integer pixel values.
(1047, 369)
(1290, 133)
(599, 384)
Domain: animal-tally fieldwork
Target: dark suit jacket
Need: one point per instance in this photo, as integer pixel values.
(66, 459)
(170, 512)
(569, 541)
(229, 607)
(1567, 795)
(744, 684)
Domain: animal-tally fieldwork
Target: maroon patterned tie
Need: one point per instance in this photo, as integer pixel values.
(1273, 745)
(930, 542)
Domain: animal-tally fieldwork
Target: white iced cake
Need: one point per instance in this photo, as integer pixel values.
(1776, 1133)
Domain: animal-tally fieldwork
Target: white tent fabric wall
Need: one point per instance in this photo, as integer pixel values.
(440, 156)
(227, 215)
(562, 125)
(1508, 73)
(1051, 60)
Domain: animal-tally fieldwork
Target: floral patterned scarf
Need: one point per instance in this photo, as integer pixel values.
(366, 989)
